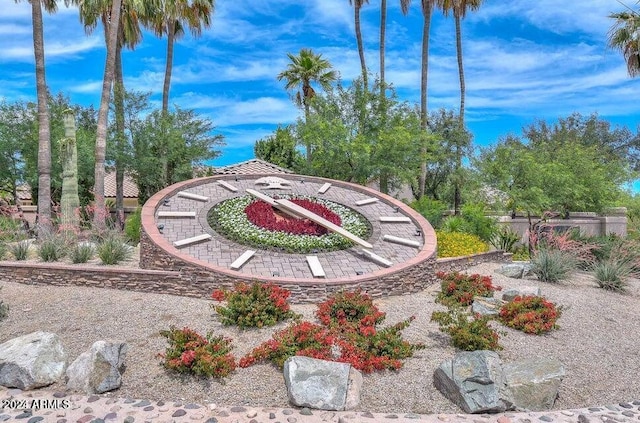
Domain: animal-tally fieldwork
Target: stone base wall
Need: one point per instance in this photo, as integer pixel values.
(199, 283)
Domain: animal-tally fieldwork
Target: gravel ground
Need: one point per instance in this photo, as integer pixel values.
(597, 342)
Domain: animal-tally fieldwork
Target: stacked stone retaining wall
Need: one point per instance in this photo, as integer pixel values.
(193, 282)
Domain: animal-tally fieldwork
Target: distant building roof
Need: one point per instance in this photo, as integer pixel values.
(250, 167)
(130, 189)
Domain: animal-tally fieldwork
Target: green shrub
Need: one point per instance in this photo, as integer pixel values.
(505, 239)
(132, 227)
(530, 314)
(458, 289)
(256, 305)
(432, 210)
(552, 265)
(612, 273)
(455, 224)
(20, 249)
(10, 229)
(477, 223)
(456, 244)
(82, 253)
(113, 249)
(52, 248)
(468, 333)
(189, 352)
(521, 254)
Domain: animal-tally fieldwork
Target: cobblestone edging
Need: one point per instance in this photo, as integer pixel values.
(48, 406)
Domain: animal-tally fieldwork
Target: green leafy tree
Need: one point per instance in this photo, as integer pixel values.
(355, 139)
(181, 138)
(280, 149)
(305, 68)
(624, 35)
(548, 171)
(15, 129)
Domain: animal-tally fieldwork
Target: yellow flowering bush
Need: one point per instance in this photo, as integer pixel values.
(455, 244)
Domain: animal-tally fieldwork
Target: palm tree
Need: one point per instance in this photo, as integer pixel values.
(90, 12)
(174, 15)
(459, 9)
(625, 36)
(357, 5)
(427, 12)
(305, 68)
(404, 4)
(129, 35)
(44, 128)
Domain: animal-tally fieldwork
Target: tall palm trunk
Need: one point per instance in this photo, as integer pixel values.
(427, 11)
(356, 7)
(118, 96)
(171, 34)
(44, 129)
(457, 200)
(460, 66)
(103, 114)
(383, 30)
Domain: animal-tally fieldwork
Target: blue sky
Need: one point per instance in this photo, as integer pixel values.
(524, 60)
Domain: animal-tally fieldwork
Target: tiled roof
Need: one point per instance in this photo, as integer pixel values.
(24, 192)
(250, 167)
(130, 189)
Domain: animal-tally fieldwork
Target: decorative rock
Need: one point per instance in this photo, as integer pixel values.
(238, 409)
(534, 383)
(522, 291)
(99, 369)
(321, 384)
(211, 420)
(179, 413)
(306, 412)
(511, 270)
(32, 361)
(474, 381)
(486, 306)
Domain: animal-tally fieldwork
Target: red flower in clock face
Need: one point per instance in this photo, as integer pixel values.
(264, 216)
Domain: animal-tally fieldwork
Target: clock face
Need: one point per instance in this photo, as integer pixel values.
(290, 227)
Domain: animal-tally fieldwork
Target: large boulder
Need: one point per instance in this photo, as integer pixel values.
(321, 384)
(534, 383)
(99, 369)
(474, 381)
(521, 291)
(32, 361)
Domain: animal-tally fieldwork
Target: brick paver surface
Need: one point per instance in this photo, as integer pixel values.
(222, 252)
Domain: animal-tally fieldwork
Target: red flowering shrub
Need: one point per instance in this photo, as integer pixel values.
(256, 305)
(458, 289)
(348, 334)
(530, 314)
(346, 310)
(263, 215)
(189, 352)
